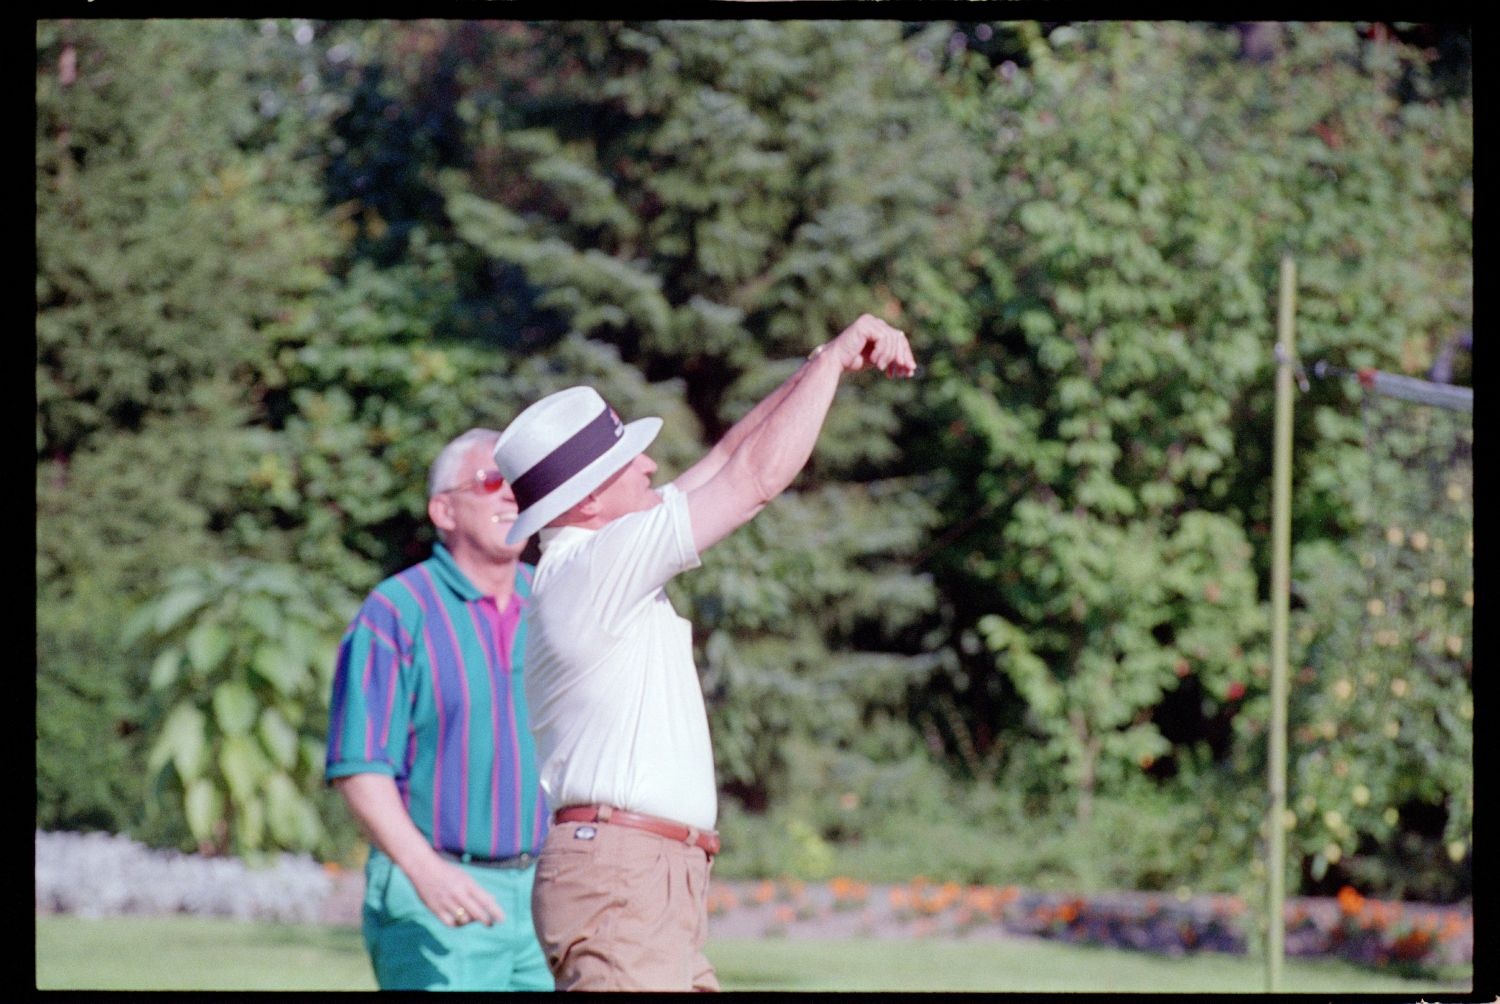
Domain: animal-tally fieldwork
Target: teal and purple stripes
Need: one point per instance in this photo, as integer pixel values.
(428, 689)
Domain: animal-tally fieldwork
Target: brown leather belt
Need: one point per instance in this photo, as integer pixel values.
(708, 840)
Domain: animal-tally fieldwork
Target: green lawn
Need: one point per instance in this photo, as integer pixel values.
(188, 953)
(1031, 967)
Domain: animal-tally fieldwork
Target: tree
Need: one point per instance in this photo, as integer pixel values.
(1384, 727)
(175, 224)
(714, 199)
(1102, 393)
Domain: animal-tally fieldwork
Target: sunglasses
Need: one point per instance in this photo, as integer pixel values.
(487, 482)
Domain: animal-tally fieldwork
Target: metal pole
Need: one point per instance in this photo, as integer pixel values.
(1281, 536)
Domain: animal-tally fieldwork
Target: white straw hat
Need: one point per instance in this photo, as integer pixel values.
(561, 448)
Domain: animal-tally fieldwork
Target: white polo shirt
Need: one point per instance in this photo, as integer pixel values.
(613, 694)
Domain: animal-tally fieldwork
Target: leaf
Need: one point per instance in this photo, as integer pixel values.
(274, 664)
(182, 743)
(164, 669)
(278, 738)
(136, 625)
(174, 607)
(203, 805)
(277, 580)
(244, 767)
(262, 614)
(250, 825)
(304, 646)
(314, 753)
(234, 708)
(207, 645)
(293, 820)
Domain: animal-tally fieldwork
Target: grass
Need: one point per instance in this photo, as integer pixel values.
(190, 953)
(1030, 967)
(193, 953)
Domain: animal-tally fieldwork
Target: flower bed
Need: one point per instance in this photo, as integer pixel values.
(104, 875)
(101, 875)
(1366, 931)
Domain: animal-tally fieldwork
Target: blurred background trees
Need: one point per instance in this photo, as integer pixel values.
(280, 262)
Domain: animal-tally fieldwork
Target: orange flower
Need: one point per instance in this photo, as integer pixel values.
(1381, 914)
(721, 900)
(1350, 901)
(939, 899)
(1412, 945)
(981, 899)
(847, 891)
(785, 915)
(1228, 906)
(765, 891)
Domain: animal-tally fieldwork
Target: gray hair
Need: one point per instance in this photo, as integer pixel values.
(445, 472)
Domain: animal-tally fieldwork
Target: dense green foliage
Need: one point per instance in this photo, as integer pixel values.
(1385, 731)
(174, 228)
(279, 263)
(1108, 428)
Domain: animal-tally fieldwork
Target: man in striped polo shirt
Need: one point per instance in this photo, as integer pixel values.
(429, 746)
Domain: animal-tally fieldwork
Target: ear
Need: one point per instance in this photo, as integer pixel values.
(582, 512)
(440, 511)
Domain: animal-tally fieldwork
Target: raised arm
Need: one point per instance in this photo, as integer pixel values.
(763, 452)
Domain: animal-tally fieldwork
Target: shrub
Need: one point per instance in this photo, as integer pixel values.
(89, 752)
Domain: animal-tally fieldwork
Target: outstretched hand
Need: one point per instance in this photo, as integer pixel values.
(869, 341)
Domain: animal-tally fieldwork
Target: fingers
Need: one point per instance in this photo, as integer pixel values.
(475, 906)
(493, 913)
(900, 362)
(889, 351)
(869, 341)
(459, 900)
(484, 911)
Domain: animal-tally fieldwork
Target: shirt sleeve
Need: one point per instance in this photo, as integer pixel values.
(371, 704)
(631, 559)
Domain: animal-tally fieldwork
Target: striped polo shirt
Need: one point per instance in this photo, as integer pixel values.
(428, 689)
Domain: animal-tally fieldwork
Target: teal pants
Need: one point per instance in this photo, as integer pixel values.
(412, 950)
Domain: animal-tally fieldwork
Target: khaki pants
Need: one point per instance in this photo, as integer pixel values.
(622, 909)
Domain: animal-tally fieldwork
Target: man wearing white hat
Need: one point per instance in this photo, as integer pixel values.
(616, 708)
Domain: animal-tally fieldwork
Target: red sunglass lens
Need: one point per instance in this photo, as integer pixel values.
(490, 482)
